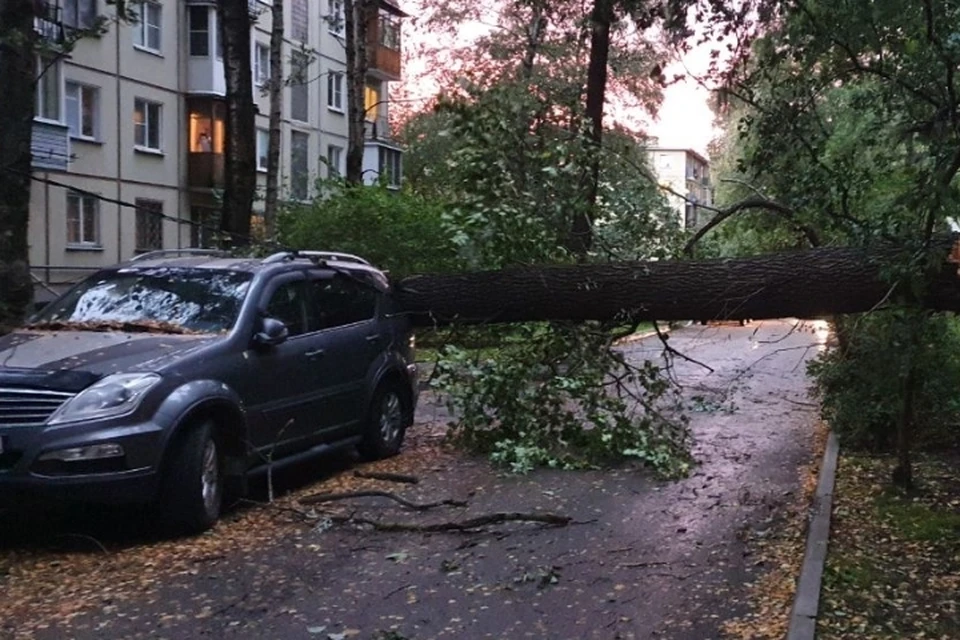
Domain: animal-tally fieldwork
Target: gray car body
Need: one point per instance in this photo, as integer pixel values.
(228, 377)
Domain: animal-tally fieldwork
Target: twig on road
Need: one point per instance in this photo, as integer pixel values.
(330, 497)
(388, 477)
(549, 519)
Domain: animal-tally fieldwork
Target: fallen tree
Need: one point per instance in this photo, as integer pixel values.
(803, 284)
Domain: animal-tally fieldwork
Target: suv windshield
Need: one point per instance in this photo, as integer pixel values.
(166, 299)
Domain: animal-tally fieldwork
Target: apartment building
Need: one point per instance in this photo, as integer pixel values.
(128, 139)
(687, 173)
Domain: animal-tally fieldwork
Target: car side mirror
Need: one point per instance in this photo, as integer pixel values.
(272, 332)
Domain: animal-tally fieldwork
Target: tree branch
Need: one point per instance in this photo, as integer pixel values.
(330, 497)
(549, 519)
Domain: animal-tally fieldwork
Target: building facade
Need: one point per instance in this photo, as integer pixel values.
(685, 172)
(128, 139)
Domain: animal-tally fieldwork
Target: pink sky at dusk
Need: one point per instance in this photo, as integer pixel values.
(685, 119)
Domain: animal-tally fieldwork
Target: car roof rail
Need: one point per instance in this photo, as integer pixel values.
(159, 253)
(333, 255)
(315, 256)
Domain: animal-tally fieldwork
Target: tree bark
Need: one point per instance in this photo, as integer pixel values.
(357, 16)
(272, 196)
(240, 164)
(803, 284)
(601, 19)
(17, 70)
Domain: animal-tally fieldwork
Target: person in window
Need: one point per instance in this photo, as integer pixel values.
(205, 146)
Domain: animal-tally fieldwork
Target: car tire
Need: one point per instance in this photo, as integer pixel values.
(192, 491)
(386, 423)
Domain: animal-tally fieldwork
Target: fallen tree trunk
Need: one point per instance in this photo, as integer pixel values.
(801, 284)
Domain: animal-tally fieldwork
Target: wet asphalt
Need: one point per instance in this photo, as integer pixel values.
(642, 559)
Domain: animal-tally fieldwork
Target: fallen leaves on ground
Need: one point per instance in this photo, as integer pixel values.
(893, 568)
(44, 585)
(781, 552)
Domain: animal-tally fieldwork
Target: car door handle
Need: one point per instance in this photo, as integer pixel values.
(373, 338)
(316, 353)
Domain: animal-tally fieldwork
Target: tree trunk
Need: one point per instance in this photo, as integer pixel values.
(804, 284)
(276, 118)
(357, 14)
(240, 166)
(17, 71)
(601, 18)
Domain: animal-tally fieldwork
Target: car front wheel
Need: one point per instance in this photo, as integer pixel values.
(192, 494)
(386, 423)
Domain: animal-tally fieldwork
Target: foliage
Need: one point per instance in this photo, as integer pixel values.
(557, 396)
(861, 385)
(399, 231)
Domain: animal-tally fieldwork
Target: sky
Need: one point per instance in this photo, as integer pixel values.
(684, 121)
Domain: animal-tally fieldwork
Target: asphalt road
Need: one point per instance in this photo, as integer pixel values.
(643, 559)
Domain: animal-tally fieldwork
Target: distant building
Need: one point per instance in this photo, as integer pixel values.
(685, 172)
(137, 117)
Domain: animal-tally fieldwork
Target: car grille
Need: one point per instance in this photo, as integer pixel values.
(29, 407)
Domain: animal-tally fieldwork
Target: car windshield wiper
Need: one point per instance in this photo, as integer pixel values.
(128, 326)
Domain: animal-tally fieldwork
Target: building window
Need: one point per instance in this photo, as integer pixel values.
(334, 155)
(390, 166)
(335, 18)
(80, 14)
(263, 145)
(149, 224)
(48, 88)
(146, 33)
(299, 165)
(300, 20)
(261, 64)
(390, 33)
(147, 124)
(207, 126)
(82, 104)
(199, 19)
(83, 220)
(371, 100)
(690, 216)
(299, 87)
(335, 91)
(205, 226)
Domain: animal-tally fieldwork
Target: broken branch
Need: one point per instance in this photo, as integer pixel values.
(330, 497)
(549, 519)
(388, 477)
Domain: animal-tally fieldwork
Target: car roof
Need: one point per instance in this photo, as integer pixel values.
(282, 261)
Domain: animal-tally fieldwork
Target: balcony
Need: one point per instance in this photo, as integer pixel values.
(377, 129)
(47, 22)
(205, 170)
(50, 146)
(383, 43)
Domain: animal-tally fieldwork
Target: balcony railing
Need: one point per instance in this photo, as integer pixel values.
(376, 129)
(205, 170)
(47, 22)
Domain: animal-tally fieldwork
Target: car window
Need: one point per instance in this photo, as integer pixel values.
(338, 301)
(288, 304)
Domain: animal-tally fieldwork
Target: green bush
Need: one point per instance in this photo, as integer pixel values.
(399, 231)
(862, 383)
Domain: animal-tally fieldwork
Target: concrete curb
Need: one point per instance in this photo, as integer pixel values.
(803, 619)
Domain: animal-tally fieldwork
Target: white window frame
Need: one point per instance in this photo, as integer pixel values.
(84, 93)
(46, 67)
(261, 64)
(144, 27)
(148, 121)
(336, 20)
(263, 146)
(335, 91)
(81, 199)
(334, 161)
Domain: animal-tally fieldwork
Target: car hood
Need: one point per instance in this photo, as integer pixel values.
(73, 360)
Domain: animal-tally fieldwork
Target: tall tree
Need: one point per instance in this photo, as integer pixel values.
(272, 196)
(241, 162)
(358, 15)
(18, 71)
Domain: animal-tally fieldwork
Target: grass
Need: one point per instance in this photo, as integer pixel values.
(893, 568)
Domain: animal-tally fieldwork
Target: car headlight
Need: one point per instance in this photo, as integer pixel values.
(114, 395)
